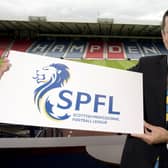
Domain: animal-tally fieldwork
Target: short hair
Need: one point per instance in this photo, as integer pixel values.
(163, 20)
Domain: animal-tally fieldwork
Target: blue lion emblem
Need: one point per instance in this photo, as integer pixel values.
(50, 77)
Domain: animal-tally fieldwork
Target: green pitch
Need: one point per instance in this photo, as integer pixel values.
(120, 64)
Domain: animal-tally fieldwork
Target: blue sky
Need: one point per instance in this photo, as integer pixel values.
(83, 9)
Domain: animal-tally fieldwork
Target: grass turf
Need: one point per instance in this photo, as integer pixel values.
(120, 64)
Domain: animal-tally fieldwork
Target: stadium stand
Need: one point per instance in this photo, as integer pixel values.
(76, 50)
(82, 49)
(4, 45)
(21, 45)
(97, 49)
(115, 50)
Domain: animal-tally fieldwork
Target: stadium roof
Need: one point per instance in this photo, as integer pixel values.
(101, 28)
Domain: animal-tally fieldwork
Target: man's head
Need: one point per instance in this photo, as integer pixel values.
(164, 29)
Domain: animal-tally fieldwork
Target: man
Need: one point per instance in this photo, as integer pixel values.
(142, 150)
(4, 66)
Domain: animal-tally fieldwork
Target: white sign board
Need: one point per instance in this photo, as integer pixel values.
(51, 92)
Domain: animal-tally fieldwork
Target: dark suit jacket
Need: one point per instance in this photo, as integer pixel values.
(138, 154)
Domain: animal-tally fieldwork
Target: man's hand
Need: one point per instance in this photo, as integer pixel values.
(4, 66)
(153, 134)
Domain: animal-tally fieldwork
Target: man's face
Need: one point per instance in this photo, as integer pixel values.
(165, 33)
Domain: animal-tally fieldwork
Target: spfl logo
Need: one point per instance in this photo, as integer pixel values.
(60, 103)
(48, 78)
